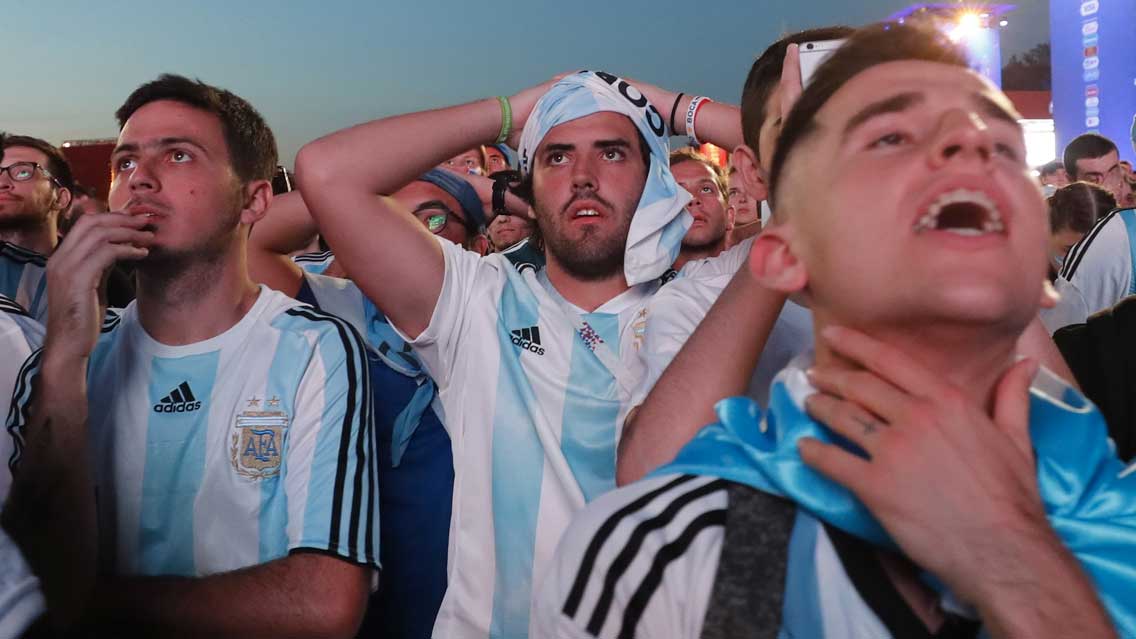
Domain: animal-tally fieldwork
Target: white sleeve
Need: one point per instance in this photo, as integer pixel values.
(1097, 274)
(672, 317)
(19, 336)
(590, 592)
(1071, 307)
(466, 282)
(21, 601)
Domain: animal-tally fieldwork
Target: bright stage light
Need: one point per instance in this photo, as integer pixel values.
(968, 25)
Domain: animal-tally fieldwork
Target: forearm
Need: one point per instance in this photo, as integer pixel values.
(718, 123)
(716, 362)
(1039, 590)
(273, 600)
(381, 156)
(50, 512)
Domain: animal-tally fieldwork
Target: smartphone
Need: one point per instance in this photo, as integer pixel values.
(813, 54)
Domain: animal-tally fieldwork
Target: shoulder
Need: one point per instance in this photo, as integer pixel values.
(725, 263)
(647, 545)
(1098, 250)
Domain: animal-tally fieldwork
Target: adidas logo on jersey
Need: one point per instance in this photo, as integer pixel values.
(180, 400)
(528, 339)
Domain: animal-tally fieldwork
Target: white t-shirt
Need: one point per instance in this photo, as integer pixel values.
(534, 417)
(679, 307)
(21, 601)
(233, 451)
(19, 336)
(1097, 272)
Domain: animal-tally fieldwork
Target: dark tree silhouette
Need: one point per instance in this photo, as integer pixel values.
(1030, 71)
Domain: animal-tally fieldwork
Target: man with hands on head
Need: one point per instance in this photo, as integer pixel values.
(534, 368)
(909, 479)
(229, 426)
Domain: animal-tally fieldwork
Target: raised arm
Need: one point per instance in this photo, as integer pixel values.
(392, 257)
(286, 228)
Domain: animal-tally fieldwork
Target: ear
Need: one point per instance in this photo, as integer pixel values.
(63, 198)
(479, 245)
(257, 195)
(773, 264)
(1049, 295)
(753, 178)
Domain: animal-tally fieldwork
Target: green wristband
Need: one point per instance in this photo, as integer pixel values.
(506, 119)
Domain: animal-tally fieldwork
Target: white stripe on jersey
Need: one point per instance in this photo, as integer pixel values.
(236, 450)
(19, 336)
(533, 416)
(640, 561)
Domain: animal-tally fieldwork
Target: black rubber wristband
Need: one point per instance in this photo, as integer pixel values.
(674, 107)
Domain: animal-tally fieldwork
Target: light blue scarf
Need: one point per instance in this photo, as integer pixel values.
(661, 219)
(1089, 496)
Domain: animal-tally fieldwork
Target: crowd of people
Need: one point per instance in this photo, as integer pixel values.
(516, 368)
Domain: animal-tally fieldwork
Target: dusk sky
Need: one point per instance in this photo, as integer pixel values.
(314, 67)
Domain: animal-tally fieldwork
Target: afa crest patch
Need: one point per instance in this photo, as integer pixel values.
(258, 441)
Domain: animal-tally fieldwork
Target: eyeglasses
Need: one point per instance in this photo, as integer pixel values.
(24, 171)
(436, 218)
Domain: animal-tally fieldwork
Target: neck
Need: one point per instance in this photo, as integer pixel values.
(195, 301)
(743, 232)
(690, 253)
(972, 359)
(41, 238)
(586, 294)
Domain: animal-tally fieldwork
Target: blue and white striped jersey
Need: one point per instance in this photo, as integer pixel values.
(233, 451)
(534, 417)
(23, 278)
(19, 336)
(1098, 272)
(315, 263)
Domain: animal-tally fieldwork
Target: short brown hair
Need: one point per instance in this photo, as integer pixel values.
(765, 74)
(1078, 206)
(868, 47)
(57, 165)
(252, 147)
(688, 154)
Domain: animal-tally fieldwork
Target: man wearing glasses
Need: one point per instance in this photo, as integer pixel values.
(1099, 270)
(35, 189)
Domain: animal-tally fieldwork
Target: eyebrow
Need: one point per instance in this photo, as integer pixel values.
(598, 144)
(894, 104)
(904, 101)
(433, 204)
(130, 147)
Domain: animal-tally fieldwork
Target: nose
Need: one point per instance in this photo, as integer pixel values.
(583, 173)
(143, 178)
(962, 136)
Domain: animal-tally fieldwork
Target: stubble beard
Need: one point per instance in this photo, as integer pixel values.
(593, 256)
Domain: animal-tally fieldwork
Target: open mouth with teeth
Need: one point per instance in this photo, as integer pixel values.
(587, 213)
(962, 212)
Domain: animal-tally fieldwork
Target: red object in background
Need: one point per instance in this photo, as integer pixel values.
(90, 163)
(716, 154)
(1032, 105)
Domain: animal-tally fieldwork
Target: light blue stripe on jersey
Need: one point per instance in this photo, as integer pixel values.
(289, 363)
(1128, 216)
(518, 468)
(799, 614)
(175, 462)
(587, 436)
